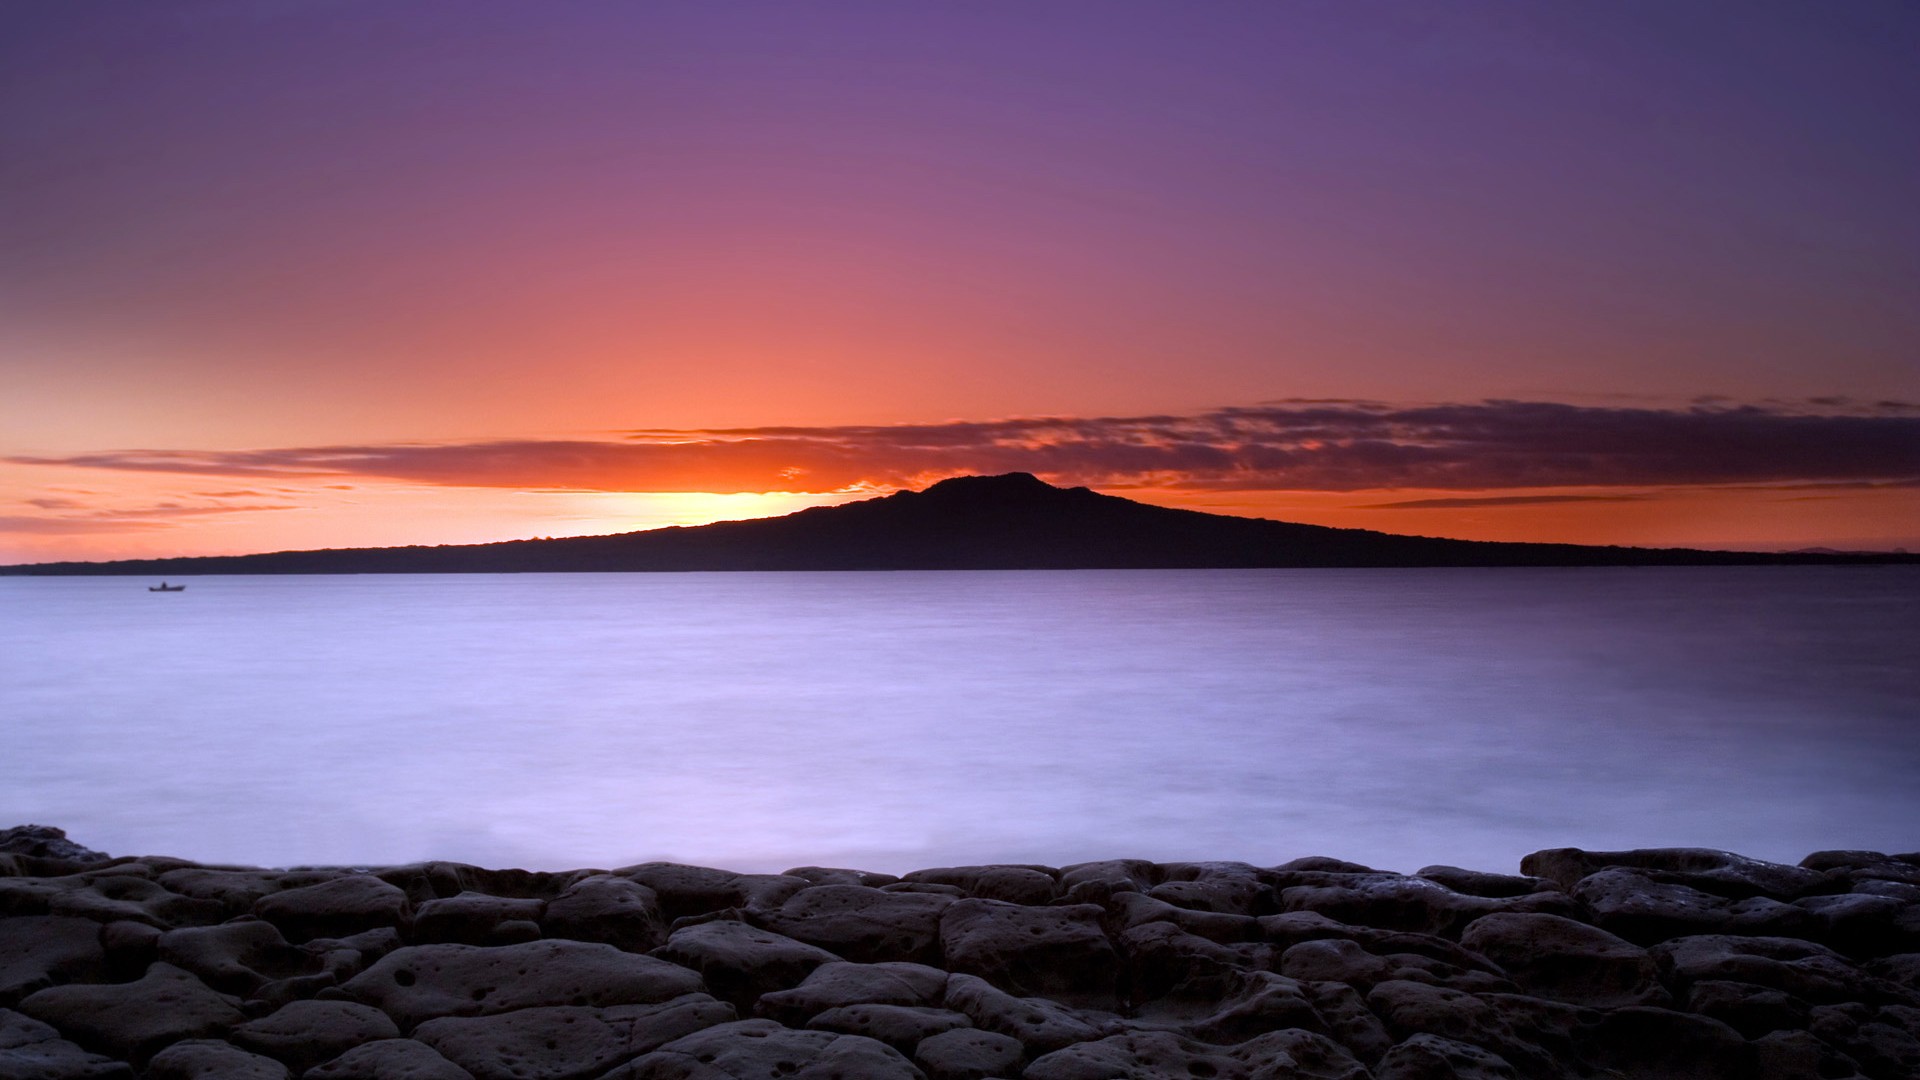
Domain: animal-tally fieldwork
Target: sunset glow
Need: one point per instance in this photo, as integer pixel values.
(297, 275)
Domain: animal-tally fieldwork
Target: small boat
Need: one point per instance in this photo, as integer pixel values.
(164, 587)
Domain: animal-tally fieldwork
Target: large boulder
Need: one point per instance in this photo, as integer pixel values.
(235, 957)
(864, 925)
(338, 907)
(840, 983)
(698, 890)
(422, 982)
(1055, 952)
(566, 1042)
(1802, 968)
(1721, 873)
(1013, 884)
(759, 1049)
(133, 1020)
(1040, 1025)
(31, 1050)
(38, 951)
(741, 962)
(476, 918)
(303, 1034)
(211, 1059)
(967, 1053)
(902, 1027)
(609, 909)
(1558, 958)
(390, 1059)
(1646, 911)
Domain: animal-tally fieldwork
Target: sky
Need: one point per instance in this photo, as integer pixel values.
(322, 273)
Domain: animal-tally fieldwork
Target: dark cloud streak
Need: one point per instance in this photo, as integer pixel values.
(1303, 446)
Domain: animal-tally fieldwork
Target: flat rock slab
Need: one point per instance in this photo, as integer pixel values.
(390, 1059)
(609, 909)
(422, 982)
(969, 1054)
(1558, 958)
(38, 951)
(863, 924)
(1157, 1055)
(211, 1059)
(1031, 951)
(762, 1049)
(303, 1034)
(31, 1050)
(840, 983)
(133, 1020)
(741, 962)
(566, 1042)
(336, 908)
(902, 1027)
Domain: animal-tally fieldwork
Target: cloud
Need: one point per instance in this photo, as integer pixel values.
(112, 520)
(1286, 446)
(1495, 500)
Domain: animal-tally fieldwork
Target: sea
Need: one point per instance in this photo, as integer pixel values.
(894, 721)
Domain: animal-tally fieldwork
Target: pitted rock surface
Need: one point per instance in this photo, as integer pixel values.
(1656, 963)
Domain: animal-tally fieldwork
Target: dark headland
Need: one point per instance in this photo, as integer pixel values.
(1010, 522)
(1678, 964)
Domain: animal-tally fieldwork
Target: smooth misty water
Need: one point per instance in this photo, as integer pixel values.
(895, 721)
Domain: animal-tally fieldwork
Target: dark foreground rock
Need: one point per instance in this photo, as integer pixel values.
(1680, 963)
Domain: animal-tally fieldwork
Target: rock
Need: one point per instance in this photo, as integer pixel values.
(833, 875)
(1430, 1057)
(1031, 885)
(840, 983)
(1158, 1054)
(47, 842)
(566, 1042)
(1902, 969)
(1552, 957)
(1336, 960)
(236, 957)
(1161, 958)
(604, 908)
(236, 891)
(439, 880)
(336, 908)
(759, 1049)
(130, 947)
(1126, 910)
(740, 962)
(133, 1020)
(1859, 866)
(1751, 1010)
(1798, 1055)
(1345, 1017)
(1884, 1041)
(107, 896)
(1056, 952)
(1644, 911)
(1721, 873)
(1255, 1003)
(38, 951)
(1039, 1024)
(422, 982)
(697, 890)
(1529, 1034)
(1656, 1044)
(1862, 924)
(303, 1034)
(1801, 968)
(1393, 902)
(899, 1026)
(968, 1053)
(474, 918)
(31, 1050)
(1480, 883)
(864, 925)
(390, 1059)
(210, 1059)
(1226, 888)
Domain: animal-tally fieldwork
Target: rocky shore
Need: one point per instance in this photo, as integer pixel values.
(1681, 963)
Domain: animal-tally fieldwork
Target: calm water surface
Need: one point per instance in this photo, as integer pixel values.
(901, 720)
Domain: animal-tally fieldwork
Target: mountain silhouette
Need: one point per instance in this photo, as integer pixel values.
(1010, 522)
